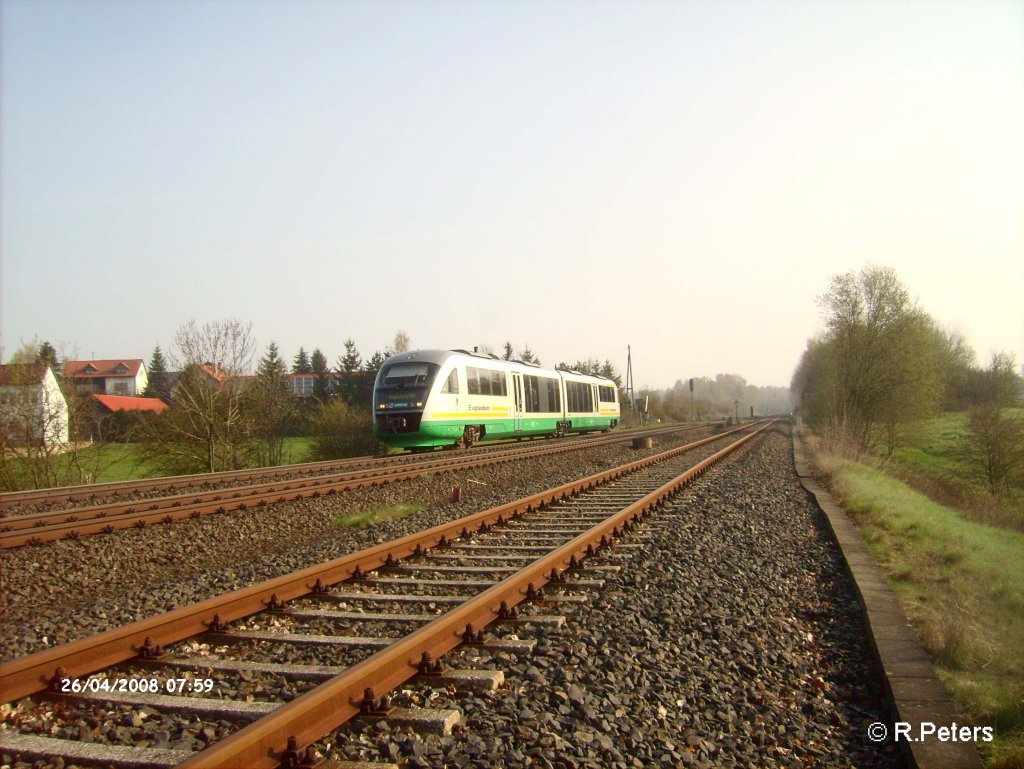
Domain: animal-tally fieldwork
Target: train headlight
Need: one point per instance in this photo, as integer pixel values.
(419, 405)
(382, 406)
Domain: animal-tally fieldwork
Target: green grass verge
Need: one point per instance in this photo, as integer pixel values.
(376, 515)
(962, 586)
(932, 461)
(112, 462)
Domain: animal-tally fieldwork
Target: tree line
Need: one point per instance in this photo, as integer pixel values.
(723, 395)
(882, 364)
(222, 413)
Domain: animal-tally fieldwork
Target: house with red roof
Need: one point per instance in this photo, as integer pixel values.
(112, 403)
(126, 376)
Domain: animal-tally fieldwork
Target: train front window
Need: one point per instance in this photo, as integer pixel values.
(412, 374)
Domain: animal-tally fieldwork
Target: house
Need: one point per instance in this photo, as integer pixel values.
(33, 410)
(300, 385)
(111, 377)
(117, 417)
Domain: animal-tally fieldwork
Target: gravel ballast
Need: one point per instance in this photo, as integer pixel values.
(731, 637)
(61, 591)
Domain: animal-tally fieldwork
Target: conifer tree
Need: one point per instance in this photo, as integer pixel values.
(48, 355)
(157, 385)
(301, 364)
(322, 383)
(509, 352)
(271, 365)
(273, 406)
(351, 361)
(350, 367)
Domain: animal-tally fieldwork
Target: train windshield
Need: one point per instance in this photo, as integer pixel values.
(411, 374)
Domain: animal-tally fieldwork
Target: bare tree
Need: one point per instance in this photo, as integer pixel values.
(208, 425)
(994, 447)
(401, 343)
(226, 345)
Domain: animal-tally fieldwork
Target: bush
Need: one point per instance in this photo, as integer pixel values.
(339, 431)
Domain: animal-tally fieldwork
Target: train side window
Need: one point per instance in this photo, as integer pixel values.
(554, 396)
(472, 383)
(451, 385)
(498, 386)
(532, 387)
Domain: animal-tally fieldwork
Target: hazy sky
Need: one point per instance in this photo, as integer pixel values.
(683, 177)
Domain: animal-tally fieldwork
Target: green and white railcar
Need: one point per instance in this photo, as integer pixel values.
(429, 398)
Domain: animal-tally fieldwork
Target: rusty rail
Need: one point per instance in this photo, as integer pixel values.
(27, 675)
(314, 714)
(207, 480)
(36, 528)
(265, 742)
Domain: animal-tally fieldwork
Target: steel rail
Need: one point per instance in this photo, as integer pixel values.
(264, 743)
(12, 499)
(9, 500)
(28, 675)
(36, 528)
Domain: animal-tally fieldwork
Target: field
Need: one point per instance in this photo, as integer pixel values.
(960, 579)
(111, 462)
(932, 461)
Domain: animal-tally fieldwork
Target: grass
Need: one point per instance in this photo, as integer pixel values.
(378, 514)
(126, 461)
(961, 583)
(931, 460)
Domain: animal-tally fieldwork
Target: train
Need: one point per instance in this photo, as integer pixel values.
(425, 399)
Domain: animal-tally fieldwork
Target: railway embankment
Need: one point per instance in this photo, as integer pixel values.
(732, 636)
(56, 592)
(961, 583)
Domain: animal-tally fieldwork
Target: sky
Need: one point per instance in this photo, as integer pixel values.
(574, 176)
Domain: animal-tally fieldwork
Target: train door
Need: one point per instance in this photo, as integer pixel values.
(517, 401)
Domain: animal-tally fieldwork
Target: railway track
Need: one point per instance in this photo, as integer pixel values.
(468, 571)
(107, 517)
(12, 502)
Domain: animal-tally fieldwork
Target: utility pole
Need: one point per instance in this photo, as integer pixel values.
(693, 414)
(629, 378)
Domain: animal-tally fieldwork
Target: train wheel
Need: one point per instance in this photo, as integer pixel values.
(469, 437)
